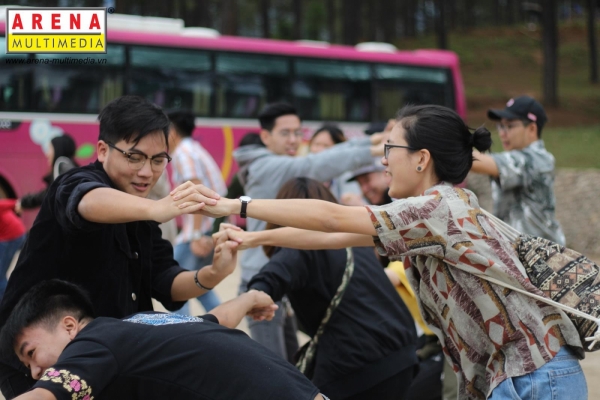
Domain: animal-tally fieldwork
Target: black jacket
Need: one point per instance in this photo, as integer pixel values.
(122, 266)
(370, 336)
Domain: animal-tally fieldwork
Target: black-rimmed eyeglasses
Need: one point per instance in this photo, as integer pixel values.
(137, 161)
(387, 147)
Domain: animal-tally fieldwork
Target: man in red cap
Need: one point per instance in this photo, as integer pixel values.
(523, 174)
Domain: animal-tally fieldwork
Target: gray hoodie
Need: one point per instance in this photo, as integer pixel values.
(263, 173)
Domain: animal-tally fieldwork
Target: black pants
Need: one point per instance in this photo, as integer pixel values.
(394, 388)
(427, 385)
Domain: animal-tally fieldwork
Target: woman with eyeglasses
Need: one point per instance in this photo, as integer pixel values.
(501, 344)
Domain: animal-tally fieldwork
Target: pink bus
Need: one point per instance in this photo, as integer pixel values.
(224, 80)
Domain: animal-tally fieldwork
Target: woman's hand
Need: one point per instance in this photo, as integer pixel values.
(231, 232)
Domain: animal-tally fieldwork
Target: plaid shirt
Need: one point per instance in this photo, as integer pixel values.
(488, 333)
(192, 161)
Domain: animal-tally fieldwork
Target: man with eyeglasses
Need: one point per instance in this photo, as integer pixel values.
(522, 175)
(96, 228)
(263, 170)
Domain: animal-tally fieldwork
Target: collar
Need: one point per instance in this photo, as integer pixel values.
(438, 187)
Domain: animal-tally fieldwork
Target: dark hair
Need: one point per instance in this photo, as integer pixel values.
(45, 303)
(64, 146)
(131, 118)
(300, 188)
(183, 121)
(251, 138)
(271, 112)
(448, 139)
(335, 133)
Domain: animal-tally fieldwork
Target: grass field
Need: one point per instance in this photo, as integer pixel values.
(573, 147)
(500, 63)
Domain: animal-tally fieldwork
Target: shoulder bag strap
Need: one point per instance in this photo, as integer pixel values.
(310, 352)
(512, 234)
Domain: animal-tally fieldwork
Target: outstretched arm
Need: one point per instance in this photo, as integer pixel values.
(98, 205)
(257, 304)
(314, 215)
(293, 238)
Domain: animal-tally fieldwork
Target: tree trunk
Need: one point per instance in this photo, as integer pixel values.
(230, 17)
(440, 24)
(371, 22)
(388, 12)
(351, 14)
(592, 41)
(510, 12)
(469, 14)
(550, 45)
(452, 14)
(410, 8)
(331, 20)
(297, 4)
(264, 15)
(496, 12)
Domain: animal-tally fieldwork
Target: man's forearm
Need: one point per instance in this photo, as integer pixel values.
(184, 286)
(484, 164)
(111, 206)
(230, 313)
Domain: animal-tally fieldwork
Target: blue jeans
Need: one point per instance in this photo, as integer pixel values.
(187, 260)
(561, 378)
(8, 250)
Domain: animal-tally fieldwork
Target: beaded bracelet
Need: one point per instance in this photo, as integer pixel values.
(198, 282)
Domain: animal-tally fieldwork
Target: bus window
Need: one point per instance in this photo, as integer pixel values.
(172, 78)
(78, 83)
(398, 85)
(332, 90)
(246, 82)
(15, 81)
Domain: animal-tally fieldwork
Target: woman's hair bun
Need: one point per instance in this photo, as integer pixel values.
(481, 139)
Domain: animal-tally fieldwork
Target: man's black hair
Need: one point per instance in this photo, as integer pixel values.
(131, 118)
(44, 304)
(271, 112)
(183, 121)
(251, 138)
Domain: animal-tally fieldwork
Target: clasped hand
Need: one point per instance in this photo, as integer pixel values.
(188, 197)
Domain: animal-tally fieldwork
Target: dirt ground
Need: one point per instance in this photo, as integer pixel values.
(228, 289)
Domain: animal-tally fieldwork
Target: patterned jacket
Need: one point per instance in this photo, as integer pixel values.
(523, 194)
(488, 333)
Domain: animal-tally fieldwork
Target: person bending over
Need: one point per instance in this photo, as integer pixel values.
(74, 356)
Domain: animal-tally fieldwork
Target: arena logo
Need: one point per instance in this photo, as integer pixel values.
(56, 30)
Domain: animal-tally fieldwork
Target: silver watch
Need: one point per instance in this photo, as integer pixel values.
(244, 200)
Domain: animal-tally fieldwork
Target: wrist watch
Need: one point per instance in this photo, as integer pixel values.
(244, 200)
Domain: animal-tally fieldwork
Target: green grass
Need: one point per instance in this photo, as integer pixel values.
(504, 62)
(574, 147)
